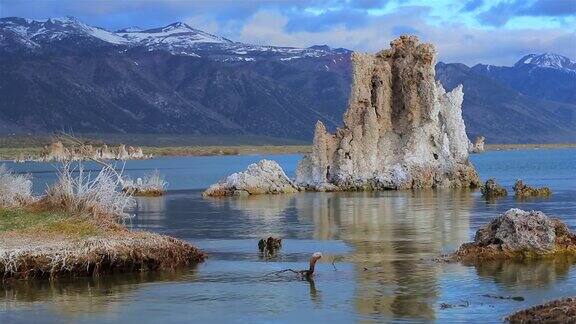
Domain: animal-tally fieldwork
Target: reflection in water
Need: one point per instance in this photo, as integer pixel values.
(383, 241)
(76, 297)
(151, 209)
(391, 233)
(314, 293)
(264, 212)
(527, 274)
(266, 208)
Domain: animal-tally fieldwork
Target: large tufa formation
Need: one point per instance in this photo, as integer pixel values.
(401, 129)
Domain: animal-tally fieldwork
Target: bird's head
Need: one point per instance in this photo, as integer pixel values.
(316, 256)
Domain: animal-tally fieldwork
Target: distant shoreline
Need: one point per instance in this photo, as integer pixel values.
(11, 153)
(502, 147)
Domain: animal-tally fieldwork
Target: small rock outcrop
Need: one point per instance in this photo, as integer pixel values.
(264, 177)
(522, 190)
(269, 246)
(491, 189)
(478, 145)
(518, 234)
(56, 151)
(401, 129)
(556, 311)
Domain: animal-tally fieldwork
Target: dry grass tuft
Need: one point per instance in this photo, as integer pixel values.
(84, 195)
(152, 185)
(15, 189)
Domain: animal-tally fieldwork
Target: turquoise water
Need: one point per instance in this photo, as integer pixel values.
(376, 252)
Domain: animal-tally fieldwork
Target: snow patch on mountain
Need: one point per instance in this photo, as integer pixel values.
(548, 60)
(177, 38)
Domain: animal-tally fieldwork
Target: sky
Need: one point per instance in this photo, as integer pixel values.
(466, 31)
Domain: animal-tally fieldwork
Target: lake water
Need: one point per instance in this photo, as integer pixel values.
(376, 252)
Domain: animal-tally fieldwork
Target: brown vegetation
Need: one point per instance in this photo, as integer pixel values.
(556, 311)
(153, 185)
(119, 250)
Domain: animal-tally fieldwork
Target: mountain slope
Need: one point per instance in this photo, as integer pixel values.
(503, 115)
(62, 74)
(174, 79)
(545, 76)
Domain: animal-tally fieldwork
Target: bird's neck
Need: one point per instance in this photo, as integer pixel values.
(312, 266)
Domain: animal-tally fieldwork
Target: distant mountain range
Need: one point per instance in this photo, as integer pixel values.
(63, 74)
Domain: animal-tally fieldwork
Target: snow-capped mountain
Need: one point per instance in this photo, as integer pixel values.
(543, 76)
(177, 38)
(35, 33)
(60, 73)
(548, 60)
(64, 74)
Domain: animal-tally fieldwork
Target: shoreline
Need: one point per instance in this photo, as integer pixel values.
(11, 153)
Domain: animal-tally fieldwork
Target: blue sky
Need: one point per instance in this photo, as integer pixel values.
(467, 31)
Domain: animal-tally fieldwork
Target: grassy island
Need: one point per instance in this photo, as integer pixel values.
(76, 229)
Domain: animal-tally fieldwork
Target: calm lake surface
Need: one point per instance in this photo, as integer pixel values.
(377, 249)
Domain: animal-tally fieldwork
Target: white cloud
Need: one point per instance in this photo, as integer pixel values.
(455, 43)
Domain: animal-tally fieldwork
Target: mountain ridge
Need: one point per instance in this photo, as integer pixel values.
(181, 80)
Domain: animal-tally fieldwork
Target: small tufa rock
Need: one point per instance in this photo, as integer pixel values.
(518, 230)
(58, 152)
(518, 234)
(522, 190)
(491, 189)
(478, 146)
(270, 246)
(264, 177)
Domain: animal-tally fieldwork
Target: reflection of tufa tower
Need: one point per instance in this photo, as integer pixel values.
(391, 232)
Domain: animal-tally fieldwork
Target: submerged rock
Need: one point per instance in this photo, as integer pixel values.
(522, 190)
(478, 146)
(518, 234)
(401, 129)
(264, 177)
(491, 189)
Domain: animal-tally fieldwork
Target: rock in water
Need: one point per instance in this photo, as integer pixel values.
(522, 190)
(401, 129)
(492, 189)
(518, 230)
(518, 234)
(264, 177)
